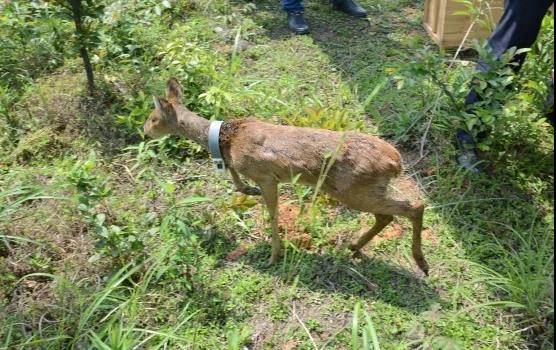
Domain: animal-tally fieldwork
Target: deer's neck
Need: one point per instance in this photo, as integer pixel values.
(193, 127)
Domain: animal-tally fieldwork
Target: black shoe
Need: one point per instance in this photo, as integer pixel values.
(467, 154)
(350, 7)
(297, 23)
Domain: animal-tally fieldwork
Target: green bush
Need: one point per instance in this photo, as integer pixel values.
(118, 242)
(33, 41)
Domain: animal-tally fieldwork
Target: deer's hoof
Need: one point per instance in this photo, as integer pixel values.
(424, 266)
(272, 261)
(356, 251)
(251, 191)
(275, 256)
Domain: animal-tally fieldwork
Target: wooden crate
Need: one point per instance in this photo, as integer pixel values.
(448, 29)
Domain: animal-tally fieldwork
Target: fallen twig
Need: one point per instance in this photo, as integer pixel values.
(304, 327)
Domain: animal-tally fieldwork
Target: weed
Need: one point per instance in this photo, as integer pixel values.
(526, 284)
(236, 338)
(363, 336)
(33, 41)
(112, 240)
(101, 322)
(326, 118)
(11, 199)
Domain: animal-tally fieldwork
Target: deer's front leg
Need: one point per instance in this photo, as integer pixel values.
(242, 186)
(270, 195)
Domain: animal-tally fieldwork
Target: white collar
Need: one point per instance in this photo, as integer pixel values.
(214, 146)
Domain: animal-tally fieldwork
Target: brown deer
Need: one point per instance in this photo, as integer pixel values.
(363, 171)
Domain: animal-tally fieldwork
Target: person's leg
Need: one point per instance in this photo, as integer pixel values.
(296, 22)
(292, 5)
(519, 27)
(350, 7)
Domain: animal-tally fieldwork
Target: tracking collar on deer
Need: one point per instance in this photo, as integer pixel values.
(214, 146)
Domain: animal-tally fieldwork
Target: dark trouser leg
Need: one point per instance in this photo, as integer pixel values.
(518, 27)
(296, 21)
(292, 5)
(350, 7)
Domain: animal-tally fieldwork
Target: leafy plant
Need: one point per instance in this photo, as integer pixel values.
(494, 88)
(33, 41)
(506, 120)
(325, 118)
(136, 110)
(237, 337)
(363, 335)
(85, 15)
(480, 13)
(196, 68)
(183, 266)
(166, 150)
(526, 284)
(109, 317)
(120, 328)
(114, 241)
(12, 199)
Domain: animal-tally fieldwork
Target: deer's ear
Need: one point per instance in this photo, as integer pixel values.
(157, 103)
(162, 105)
(173, 90)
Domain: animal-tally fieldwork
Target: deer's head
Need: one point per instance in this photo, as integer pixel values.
(163, 119)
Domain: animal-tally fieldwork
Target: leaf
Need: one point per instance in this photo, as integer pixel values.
(94, 258)
(115, 229)
(375, 92)
(193, 200)
(100, 218)
(445, 343)
(370, 329)
(461, 13)
(168, 187)
(434, 314)
(102, 231)
(243, 202)
(522, 51)
(417, 332)
(470, 123)
(355, 328)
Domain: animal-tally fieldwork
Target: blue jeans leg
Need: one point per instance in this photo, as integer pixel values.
(292, 5)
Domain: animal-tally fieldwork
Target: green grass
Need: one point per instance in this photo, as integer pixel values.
(112, 241)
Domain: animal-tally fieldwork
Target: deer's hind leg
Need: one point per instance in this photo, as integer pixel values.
(414, 211)
(416, 216)
(381, 222)
(388, 208)
(269, 192)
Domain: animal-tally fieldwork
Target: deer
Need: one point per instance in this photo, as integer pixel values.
(365, 172)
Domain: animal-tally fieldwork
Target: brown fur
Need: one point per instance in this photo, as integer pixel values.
(360, 170)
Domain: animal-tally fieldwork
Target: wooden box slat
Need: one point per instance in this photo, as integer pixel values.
(448, 29)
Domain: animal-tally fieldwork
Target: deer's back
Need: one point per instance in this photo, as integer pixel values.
(261, 150)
